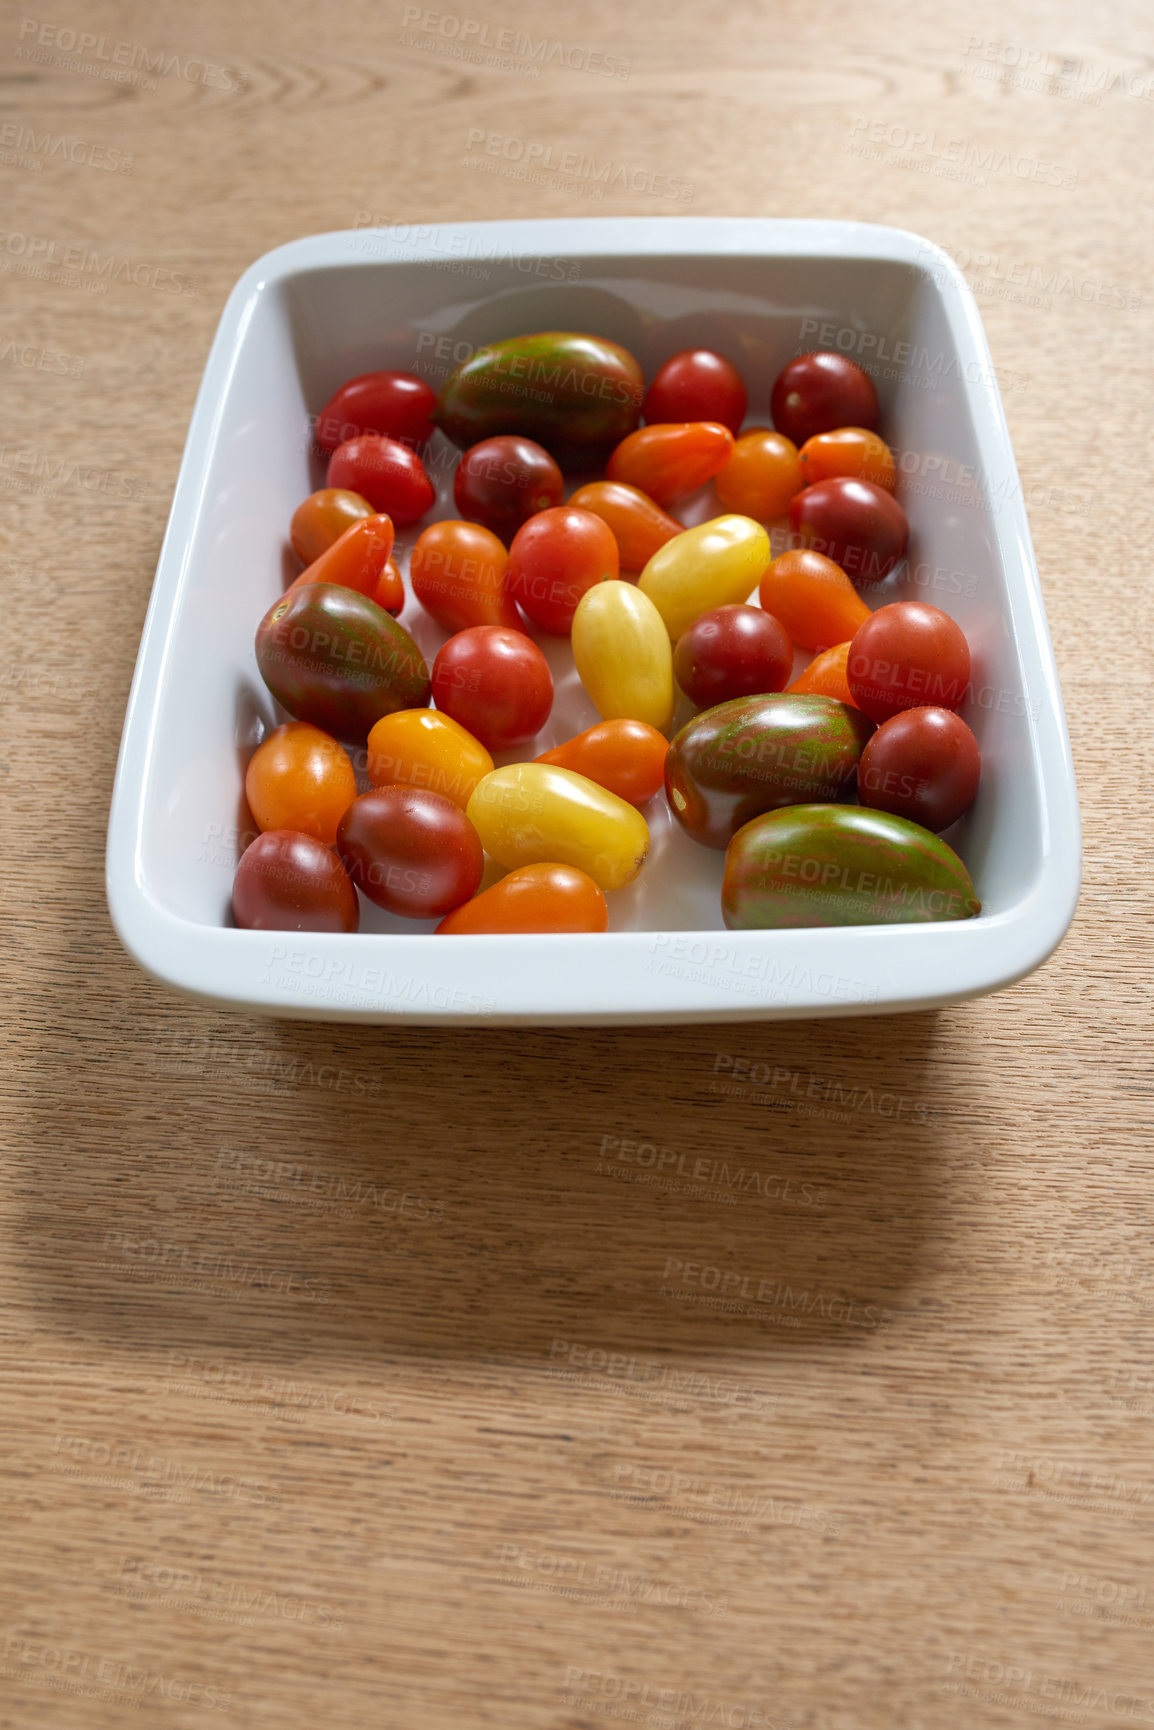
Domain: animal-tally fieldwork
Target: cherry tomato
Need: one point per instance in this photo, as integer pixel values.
(388, 474)
(670, 461)
(820, 391)
(905, 656)
(697, 385)
(504, 481)
(825, 676)
(622, 654)
(923, 764)
(536, 814)
(849, 451)
(858, 525)
(761, 476)
(713, 565)
(496, 683)
(390, 590)
(533, 898)
(424, 748)
(626, 757)
(397, 405)
(322, 519)
(411, 851)
(813, 598)
(734, 651)
(458, 574)
(300, 778)
(287, 881)
(638, 525)
(356, 560)
(555, 558)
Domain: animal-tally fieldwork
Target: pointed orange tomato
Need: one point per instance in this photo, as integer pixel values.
(627, 757)
(826, 676)
(534, 898)
(356, 560)
(638, 525)
(813, 598)
(390, 590)
(850, 452)
(672, 459)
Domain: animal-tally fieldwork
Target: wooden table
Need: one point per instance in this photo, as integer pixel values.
(343, 1382)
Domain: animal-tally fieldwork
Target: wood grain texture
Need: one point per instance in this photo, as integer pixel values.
(374, 1376)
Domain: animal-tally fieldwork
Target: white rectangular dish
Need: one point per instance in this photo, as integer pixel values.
(313, 313)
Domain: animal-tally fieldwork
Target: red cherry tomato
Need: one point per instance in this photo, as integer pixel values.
(905, 656)
(669, 462)
(388, 474)
(504, 481)
(458, 574)
(697, 384)
(496, 683)
(396, 404)
(819, 392)
(532, 898)
(555, 557)
(923, 764)
(858, 525)
(287, 881)
(734, 651)
(410, 850)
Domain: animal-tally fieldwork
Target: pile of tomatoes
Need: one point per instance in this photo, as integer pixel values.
(650, 606)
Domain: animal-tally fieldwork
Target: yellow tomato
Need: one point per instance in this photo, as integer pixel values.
(623, 655)
(535, 814)
(424, 748)
(714, 565)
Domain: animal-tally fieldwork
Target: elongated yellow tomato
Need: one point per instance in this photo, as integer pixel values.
(716, 564)
(623, 654)
(423, 748)
(535, 814)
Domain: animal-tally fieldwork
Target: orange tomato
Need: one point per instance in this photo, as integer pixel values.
(425, 748)
(390, 590)
(826, 676)
(356, 560)
(851, 452)
(533, 898)
(761, 476)
(627, 757)
(458, 574)
(672, 459)
(639, 526)
(813, 598)
(323, 519)
(300, 778)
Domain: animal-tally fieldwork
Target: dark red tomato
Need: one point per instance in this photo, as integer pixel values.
(732, 652)
(555, 557)
(502, 482)
(697, 385)
(388, 474)
(905, 656)
(858, 525)
(396, 404)
(820, 392)
(411, 850)
(495, 683)
(287, 881)
(923, 764)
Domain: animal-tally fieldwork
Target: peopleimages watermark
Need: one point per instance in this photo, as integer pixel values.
(783, 1088)
(536, 159)
(80, 266)
(689, 1496)
(481, 43)
(23, 147)
(702, 1178)
(206, 1270)
(572, 1575)
(1025, 67)
(927, 152)
(889, 357)
(1072, 1483)
(747, 1294)
(978, 1676)
(48, 1663)
(25, 469)
(650, 1702)
(706, 960)
(1026, 281)
(181, 1585)
(596, 1366)
(225, 1382)
(306, 974)
(454, 249)
(119, 62)
(94, 1461)
(292, 1181)
(35, 357)
(1101, 1599)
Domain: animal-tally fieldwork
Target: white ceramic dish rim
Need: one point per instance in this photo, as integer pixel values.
(637, 977)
